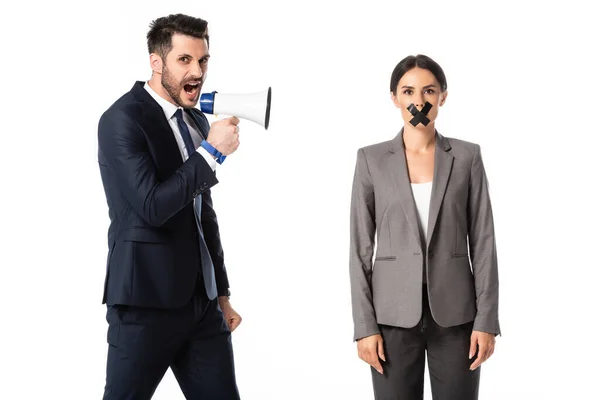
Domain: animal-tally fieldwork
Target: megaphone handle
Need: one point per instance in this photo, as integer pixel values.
(219, 157)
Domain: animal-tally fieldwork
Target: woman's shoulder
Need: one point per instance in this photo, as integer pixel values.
(377, 147)
(375, 153)
(461, 147)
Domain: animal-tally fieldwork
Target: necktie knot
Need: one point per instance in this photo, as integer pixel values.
(179, 115)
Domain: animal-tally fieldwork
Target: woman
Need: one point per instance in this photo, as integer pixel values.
(433, 285)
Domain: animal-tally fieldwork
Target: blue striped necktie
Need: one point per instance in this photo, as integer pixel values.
(208, 270)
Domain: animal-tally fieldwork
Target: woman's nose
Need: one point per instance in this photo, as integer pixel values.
(419, 103)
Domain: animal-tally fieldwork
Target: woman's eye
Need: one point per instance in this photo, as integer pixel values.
(430, 91)
(408, 92)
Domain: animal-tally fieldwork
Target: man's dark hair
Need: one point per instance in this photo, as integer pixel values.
(162, 30)
(420, 61)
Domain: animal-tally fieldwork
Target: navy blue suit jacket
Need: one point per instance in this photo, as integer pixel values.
(153, 251)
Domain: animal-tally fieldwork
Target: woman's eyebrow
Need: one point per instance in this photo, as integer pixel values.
(424, 87)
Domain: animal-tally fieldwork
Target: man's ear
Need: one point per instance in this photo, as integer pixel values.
(156, 63)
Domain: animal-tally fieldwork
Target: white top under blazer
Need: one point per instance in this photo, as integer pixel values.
(422, 197)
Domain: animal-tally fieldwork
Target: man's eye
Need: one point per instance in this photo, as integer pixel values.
(204, 61)
(184, 59)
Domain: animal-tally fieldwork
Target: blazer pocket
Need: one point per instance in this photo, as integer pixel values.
(385, 258)
(145, 235)
(459, 255)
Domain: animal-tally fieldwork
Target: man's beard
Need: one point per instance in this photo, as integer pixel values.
(173, 88)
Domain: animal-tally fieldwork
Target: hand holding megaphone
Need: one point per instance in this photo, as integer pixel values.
(224, 135)
(255, 107)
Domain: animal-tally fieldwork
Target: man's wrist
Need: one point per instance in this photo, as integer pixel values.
(218, 156)
(224, 301)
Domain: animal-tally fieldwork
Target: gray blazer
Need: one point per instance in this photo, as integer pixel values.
(459, 258)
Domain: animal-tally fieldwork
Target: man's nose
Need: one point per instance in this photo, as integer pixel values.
(196, 70)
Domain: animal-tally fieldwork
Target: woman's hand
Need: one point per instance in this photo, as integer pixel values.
(486, 342)
(370, 350)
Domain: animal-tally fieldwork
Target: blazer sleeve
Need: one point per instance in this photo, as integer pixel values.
(362, 236)
(482, 246)
(122, 146)
(210, 226)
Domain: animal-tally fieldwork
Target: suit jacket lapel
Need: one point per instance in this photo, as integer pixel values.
(443, 161)
(158, 130)
(200, 122)
(399, 175)
(161, 133)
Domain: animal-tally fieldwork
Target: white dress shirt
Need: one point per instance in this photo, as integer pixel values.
(169, 110)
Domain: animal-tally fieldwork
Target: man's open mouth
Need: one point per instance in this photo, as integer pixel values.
(191, 88)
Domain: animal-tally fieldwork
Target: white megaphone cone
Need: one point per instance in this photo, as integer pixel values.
(255, 107)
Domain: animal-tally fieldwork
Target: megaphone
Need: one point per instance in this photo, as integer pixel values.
(255, 107)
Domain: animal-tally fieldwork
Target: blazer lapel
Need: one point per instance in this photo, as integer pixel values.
(158, 130)
(162, 135)
(443, 161)
(399, 175)
(200, 122)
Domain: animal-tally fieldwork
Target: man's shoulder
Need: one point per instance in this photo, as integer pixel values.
(126, 105)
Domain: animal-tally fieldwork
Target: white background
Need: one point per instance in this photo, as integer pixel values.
(522, 81)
